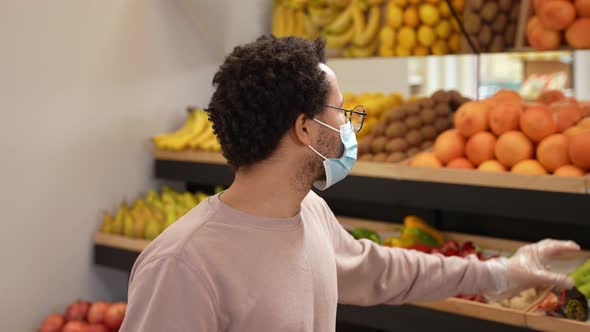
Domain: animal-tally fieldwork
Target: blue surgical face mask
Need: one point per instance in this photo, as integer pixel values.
(338, 168)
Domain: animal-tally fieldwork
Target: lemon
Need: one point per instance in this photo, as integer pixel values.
(394, 15)
(429, 14)
(402, 51)
(440, 48)
(444, 10)
(443, 29)
(455, 42)
(426, 36)
(387, 36)
(411, 17)
(386, 51)
(407, 38)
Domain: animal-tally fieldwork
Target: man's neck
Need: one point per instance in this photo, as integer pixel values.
(266, 191)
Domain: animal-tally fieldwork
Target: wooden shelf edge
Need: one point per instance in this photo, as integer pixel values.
(190, 155)
(553, 324)
(408, 173)
(478, 310)
(120, 242)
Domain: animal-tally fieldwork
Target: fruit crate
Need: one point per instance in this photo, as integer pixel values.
(490, 26)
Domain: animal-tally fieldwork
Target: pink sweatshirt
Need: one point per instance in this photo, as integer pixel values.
(220, 269)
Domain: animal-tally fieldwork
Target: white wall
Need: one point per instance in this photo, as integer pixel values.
(83, 85)
(581, 74)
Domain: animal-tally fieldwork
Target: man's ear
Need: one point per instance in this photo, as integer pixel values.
(302, 129)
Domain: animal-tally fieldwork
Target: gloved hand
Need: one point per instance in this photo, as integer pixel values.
(528, 268)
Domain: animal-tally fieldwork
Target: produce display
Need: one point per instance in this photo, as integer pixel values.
(502, 133)
(363, 28)
(559, 22)
(376, 105)
(491, 25)
(147, 217)
(196, 133)
(83, 316)
(409, 128)
(420, 28)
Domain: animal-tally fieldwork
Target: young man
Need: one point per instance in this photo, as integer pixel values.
(268, 254)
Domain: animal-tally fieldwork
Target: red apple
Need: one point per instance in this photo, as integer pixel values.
(75, 326)
(53, 323)
(97, 312)
(77, 310)
(115, 315)
(96, 328)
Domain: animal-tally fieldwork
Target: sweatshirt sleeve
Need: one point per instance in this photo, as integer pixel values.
(370, 274)
(167, 294)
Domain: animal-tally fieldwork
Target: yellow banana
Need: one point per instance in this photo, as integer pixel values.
(197, 141)
(372, 28)
(320, 17)
(289, 22)
(358, 21)
(311, 31)
(297, 4)
(339, 3)
(299, 23)
(341, 23)
(278, 22)
(339, 41)
(364, 51)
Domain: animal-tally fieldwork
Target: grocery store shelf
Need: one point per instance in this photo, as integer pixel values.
(551, 324)
(376, 188)
(403, 172)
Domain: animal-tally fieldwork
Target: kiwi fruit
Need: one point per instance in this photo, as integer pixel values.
(441, 124)
(412, 152)
(428, 116)
(441, 96)
(428, 132)
(472, 23)
(396, 145)
(412, 107)
(455, 96)
(514, 13)
(500, 23)
(414, 137)
(396, 129)
(378, 144)
(427, 145)
(504, 5)
(379, 129)
(442, 108)
(489, 11)
(425, 103)
(497, 44)
(485, 35)
(510, 34)
(397, 113)
(380, 157)
(366, 157)
(474, 5)
(365, 145)
(414, 122)
(396, 157)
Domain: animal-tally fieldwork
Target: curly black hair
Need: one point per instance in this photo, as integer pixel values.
(260, 90)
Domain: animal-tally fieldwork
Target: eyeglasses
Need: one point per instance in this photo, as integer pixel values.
(356, 116)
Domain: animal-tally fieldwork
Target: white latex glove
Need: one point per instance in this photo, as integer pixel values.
(528, 268)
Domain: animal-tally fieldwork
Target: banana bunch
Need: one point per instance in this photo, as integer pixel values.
(149, 216)
(376, 104)
(289, 19)
(352, 31)
(195, 133)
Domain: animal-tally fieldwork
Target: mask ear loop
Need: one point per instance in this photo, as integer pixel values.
(325, 124)
(316, 151)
